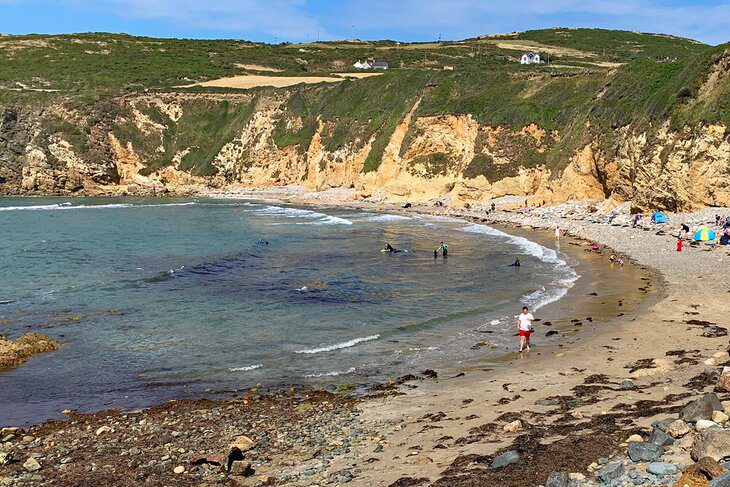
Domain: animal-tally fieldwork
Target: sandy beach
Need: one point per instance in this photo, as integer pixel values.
(562, 412)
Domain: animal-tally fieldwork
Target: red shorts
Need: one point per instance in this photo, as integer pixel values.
(525, 334)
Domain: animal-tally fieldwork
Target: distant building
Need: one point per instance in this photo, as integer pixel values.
(362, 65)
(448, 68)
(530, 58)
(370, 64)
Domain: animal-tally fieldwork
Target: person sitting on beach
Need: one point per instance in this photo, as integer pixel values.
(524, 326)
(612, 259)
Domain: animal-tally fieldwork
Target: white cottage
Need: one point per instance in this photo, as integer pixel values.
(530, 58)
(362, 65)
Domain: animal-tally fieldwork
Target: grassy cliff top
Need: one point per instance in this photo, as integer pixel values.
(80, 68)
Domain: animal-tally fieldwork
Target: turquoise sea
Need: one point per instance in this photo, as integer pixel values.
(167, 298)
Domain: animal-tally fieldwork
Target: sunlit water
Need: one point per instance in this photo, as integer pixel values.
(169, 298)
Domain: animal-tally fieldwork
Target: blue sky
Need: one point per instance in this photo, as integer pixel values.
(406, 20)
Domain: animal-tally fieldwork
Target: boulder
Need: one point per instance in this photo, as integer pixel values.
(701, 408)
(662, 424)
(32, 465)
(678, 429)
(242, 443)
(643, 451)
(719, 417)
(699, 474)
(634, 438)
(722, 480)
(686, 442)
(241, 468)
(626, 385)
(723, 382)
(704, 424)
(712, 442)
(505, 459)
(610, 472)
(659, 437)
(557, 479)
(662, 468)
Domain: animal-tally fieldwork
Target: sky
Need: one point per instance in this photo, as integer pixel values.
(404, 20)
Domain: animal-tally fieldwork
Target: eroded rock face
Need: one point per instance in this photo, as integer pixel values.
(447, 156)
(15, 352)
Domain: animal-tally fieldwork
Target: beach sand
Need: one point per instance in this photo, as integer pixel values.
(569, 395)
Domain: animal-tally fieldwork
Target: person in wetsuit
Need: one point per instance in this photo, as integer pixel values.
(516, 263)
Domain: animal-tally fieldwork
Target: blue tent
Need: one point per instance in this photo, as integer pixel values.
(704, 234)
(658, 217)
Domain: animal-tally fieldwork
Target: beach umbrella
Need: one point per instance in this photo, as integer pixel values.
(704, 234)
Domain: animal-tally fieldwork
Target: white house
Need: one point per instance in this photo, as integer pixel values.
(530, 58)
(380, 65)
(362, 65)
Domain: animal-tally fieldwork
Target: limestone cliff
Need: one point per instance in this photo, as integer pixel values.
(177, 143)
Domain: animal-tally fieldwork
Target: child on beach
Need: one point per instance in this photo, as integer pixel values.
(524, 326)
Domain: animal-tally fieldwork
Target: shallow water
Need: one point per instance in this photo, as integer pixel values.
(169, 298)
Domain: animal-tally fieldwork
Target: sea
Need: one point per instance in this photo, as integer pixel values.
(157, 299)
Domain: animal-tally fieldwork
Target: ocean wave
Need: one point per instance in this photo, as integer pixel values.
(534, 249)
(542, 297)
(245, 368)
(385, 218)
(69, 206)
(319, 218)
(337, 346)
(333, 373)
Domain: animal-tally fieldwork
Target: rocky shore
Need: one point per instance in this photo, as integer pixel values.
(641, 400)
(15, 352)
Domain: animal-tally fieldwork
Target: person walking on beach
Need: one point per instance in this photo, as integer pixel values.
(557, 233)
(524, 326)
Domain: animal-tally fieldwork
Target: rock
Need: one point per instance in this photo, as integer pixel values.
(634, 438)
(557, 479)
(704, 424)
(719, 417)
(4, 457)
(701, 408)
(722, 480)
(643, 451)
(505, 459)
(240, 467)
(662, 424)
(712, 442)
(179, 469)
(678, 429)
(662, 468)
(627, 385)
(242, 443)
(15, 352)
(32, 465)
(513, 426)
(610, 472)
(686, 442)
(15, 431)
(548, 402)
(723, 382)
(102, 430)
(659, 437)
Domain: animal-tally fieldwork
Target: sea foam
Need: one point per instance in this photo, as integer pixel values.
(318, 218)
(337, 346)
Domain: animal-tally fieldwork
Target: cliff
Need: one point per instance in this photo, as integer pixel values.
(654, 133)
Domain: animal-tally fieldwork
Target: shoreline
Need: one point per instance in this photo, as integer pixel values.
(435, 433)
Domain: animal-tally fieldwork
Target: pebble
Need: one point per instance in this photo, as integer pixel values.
(179, 469)
(32, 465)
(513, 426)
(102, 430)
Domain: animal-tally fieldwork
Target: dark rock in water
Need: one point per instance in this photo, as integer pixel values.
(610, 472)
(505, 459)
(551, 333)
(557, 479)
(431, 374)
(643, 451)
(626, 385)
(701, 408)
(659, 437)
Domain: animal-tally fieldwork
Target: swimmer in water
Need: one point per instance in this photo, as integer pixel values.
(516, 263)
(444, 249)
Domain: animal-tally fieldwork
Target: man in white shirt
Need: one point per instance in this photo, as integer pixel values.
(524, 325)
